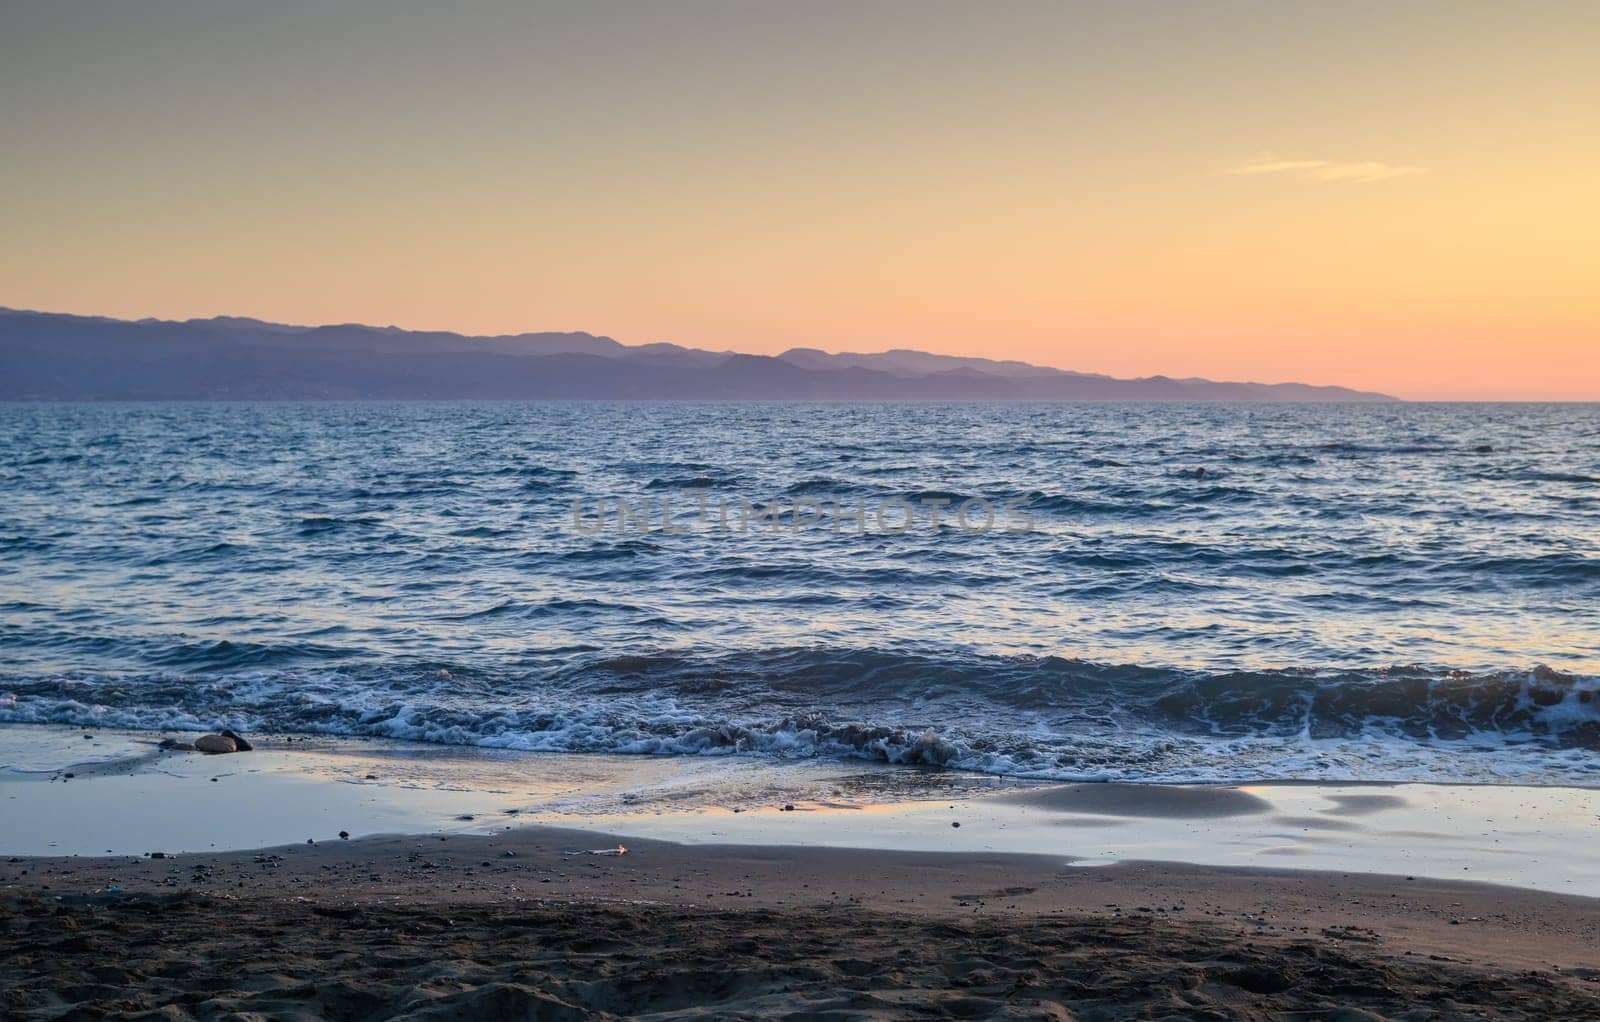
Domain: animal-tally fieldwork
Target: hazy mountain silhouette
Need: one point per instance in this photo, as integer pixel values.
(52, 356)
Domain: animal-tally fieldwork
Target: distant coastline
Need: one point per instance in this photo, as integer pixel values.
(56, 356)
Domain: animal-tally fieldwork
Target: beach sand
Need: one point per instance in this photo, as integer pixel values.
(767, 912)
(534, 924)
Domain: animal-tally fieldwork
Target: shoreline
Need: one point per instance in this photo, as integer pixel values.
(290, 790)
(482, 883)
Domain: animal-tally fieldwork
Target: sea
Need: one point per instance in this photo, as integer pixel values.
(1130, 592)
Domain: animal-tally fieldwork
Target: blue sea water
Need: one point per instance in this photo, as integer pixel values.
(1362, 592)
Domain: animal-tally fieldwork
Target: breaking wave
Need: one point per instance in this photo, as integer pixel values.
(1015, 716)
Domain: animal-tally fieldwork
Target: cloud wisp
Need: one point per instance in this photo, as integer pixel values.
(1356, 171)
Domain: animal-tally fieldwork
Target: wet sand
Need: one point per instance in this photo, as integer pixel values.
(112, 793)
(873, 893)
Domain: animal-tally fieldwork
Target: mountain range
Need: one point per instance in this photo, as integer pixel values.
(54, 356)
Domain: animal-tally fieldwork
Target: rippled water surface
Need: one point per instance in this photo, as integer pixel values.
(1377, 592)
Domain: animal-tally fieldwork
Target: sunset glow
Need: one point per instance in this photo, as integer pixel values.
(1391, 197)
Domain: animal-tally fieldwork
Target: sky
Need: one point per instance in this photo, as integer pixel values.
(1394, 196)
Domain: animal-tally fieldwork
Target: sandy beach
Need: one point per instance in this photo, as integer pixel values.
(537, 924)
(871, 896)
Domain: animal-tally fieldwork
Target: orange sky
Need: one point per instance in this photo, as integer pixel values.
(1391, 197)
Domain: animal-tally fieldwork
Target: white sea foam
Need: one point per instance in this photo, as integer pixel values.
(1516, 726)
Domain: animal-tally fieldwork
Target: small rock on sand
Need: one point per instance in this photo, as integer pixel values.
(215, 745)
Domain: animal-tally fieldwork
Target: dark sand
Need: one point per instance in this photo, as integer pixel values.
(531, 925)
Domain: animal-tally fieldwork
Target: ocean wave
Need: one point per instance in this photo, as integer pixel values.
(1048, 718)
(312, 525)
(697, 482)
